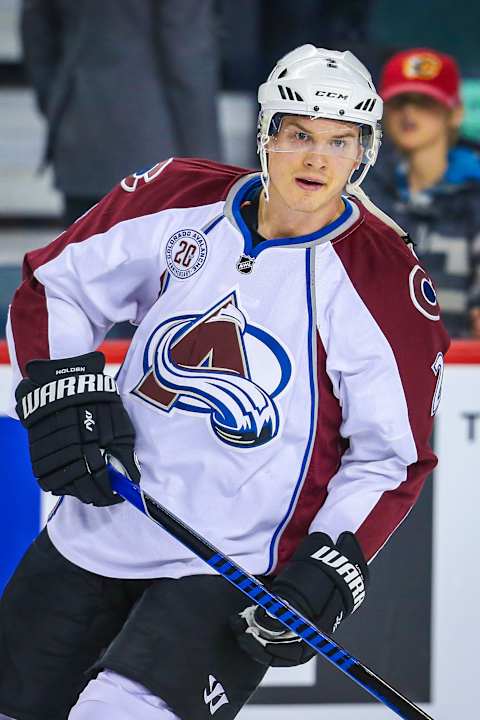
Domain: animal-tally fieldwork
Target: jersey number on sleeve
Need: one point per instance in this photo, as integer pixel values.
(438, 368)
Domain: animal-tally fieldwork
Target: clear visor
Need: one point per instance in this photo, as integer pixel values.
(338, 140)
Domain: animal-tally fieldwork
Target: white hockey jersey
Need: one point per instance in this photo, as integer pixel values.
(276, 389)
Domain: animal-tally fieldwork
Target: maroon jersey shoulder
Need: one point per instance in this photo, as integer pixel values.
(380, 244)
(173, 183)
(390, 280)
(389, 277)
(180, 183)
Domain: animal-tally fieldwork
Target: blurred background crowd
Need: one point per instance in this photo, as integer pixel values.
(91, 91)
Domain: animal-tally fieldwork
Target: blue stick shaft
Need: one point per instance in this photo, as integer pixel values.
(257, 592)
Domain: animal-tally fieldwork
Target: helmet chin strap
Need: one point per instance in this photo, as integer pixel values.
(265, 176)
(351, 184)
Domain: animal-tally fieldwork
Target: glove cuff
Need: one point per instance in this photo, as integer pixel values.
(344, 563)
(44, 371)
(54, 384)
(320, 567)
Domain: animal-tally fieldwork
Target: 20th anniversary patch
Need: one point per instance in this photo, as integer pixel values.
(186, 253)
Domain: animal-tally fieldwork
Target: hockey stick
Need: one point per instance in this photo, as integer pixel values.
(254, 589)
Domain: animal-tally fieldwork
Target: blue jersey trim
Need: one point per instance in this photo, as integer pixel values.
(312, 370)
(243, 194)
(213, 224)
(165, 285)
(239, 198)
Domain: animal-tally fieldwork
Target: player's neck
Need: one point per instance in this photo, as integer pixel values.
(277, 220)
(427, 165)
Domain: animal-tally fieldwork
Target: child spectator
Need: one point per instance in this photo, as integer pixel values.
(429, 183)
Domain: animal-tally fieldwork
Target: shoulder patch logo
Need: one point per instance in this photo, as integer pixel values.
(423, 293)
(186, 253)
(142, 177)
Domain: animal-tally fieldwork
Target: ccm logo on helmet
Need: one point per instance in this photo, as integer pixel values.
(332, 95)
(348, 571)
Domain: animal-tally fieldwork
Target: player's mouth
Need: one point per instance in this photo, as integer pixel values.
(309, 184)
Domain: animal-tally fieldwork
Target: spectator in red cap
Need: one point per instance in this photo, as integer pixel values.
(430, 184)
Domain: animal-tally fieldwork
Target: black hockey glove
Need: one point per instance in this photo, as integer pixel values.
(324, 581)
(72, 412)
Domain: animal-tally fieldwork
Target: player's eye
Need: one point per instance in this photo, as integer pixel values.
(338, 143)
(302, 136)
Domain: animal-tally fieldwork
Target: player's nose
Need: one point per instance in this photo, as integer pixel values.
(315, 160)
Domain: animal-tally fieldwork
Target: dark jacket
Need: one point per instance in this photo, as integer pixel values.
(444, 223)
(122, 84)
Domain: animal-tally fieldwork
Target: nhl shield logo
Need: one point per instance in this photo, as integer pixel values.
(245, 264)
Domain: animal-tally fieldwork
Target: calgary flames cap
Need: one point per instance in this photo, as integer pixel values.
(423, 71)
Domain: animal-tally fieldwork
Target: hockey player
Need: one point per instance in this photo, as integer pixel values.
(279, 392)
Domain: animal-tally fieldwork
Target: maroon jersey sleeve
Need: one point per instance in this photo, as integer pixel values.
(115, 235)
(384, 342)
(401, 300)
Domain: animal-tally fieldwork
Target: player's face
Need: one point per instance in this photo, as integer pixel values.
(414, 121)
(310, 161)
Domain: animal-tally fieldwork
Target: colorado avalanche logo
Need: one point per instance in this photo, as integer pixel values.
(423, 293)
(218, 363)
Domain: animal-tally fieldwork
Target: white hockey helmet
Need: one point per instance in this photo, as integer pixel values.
(320, 83)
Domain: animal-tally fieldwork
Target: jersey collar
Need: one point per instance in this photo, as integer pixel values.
(247, 185)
